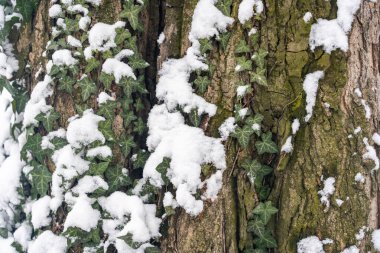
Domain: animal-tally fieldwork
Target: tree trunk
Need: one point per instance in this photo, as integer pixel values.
(324, 147)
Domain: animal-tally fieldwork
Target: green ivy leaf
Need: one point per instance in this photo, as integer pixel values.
(265, 211)
(92, 64)
(131, 12)
(128, 240)
(106, 128)
(129, 117)
(266, 241)
(48, 119)
(127, 145)
(97, 169)
(136, 62)
(116, 178)
(257, 226)
(26, 8)
(121, 35)
(242, 47)
(107, 109)
(58, 143)
(259, 77)
(243, 135)
(224, 39)
(88, 88)
(152, 250)
(224, 6)
(266, 145)
(195, 119)
(206, 45)
(255, 120)
(243, 64)
(41, 178)
(162, 168)
(202, 82)
(33, 145)
(106, 79)
(19, 102)
(139, 105)
(255, 169)
(66, 83)
(259, 58)
(140, 159)
(139, 126)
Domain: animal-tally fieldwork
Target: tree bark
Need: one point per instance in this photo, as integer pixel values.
(321, 147)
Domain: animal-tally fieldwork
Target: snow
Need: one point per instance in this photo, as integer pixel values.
(102, 37)
(311, 244)
(89, 184)
(102, 151)
(84, 130)
(169, 200)
(357, 130)
(124, 53)
(243, 112)
(252, 31)
(37, 102)
(72, 41)
(8, 64)
(367, 109)
(295, 126)
(6, 245)
(78, 8)
(63, 57)
(287, 147)
(55, 10)
(40, 212)
(84, 22)
(307, 17)
(82, 215)
(256, 127)
(332, 34)
(246, 10)
(310, 86)
(241, 90)
(187, 147)
(117, 68)
(339, 202)
(48, 242)
(161, 38)
(142, 224)
(361, 234)
(376, 138)
(371, 154)
(227, 128)
(94, 2)
(376, 239)
(352, 249)
(23, 235)
(45, 144)
(327, 191)
(359, 178)
(358, 92)
(103, 97)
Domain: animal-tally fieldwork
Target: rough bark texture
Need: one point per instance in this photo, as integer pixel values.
(322, 147)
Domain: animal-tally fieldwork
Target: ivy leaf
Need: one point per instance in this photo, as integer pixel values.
(224, 39)
(225, 6)
(72, 25)
(152, 250)
(139, 126)
(162, 168)
(26, 8)
(106, 79)
(121, 35)
(265, 211)
(107, 109)
(206, 45)
(55, 70)
(97, 169)
(33, 144)
(41, 177)
(266, 241)
(129, 117)
(116, 178)
(136, 62)
(195, 119)
(255, 120)
(202, 82)
(259, 58)
(66, 83)
(257, 226)
(242, 47)
(20, 101)
(48, 119)
(58, 143)
(106, 128)
(259, 77)
(127, 146)
(87, 87)
(243, 135)
(139, 105)
(243, 64)
(266, 145)
(131, 12)
(140, 159)
(128, 240)
(92, 64)
(128, 85)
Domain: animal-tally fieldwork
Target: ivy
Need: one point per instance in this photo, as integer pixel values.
(242, 47)
(131, 12)
(66, 83)
(265, 211)
(259, 77)
(93, 63)
(243, 64)
(266, 145)
(116, 178)
(48, 119)
(202, 83)
(88, 88)
(243, 135)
